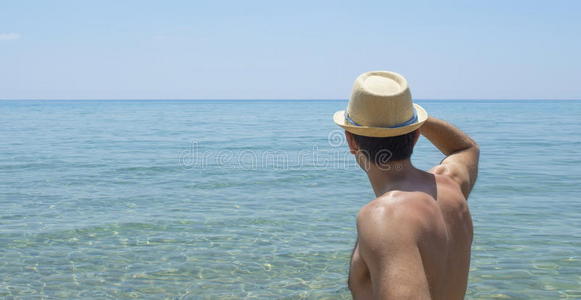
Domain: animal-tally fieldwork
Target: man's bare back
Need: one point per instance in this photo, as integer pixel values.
(414, 239)
(437, 245)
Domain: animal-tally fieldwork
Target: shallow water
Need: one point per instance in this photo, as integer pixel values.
(257, 199)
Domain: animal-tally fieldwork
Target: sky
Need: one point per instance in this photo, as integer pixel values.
(287, 50)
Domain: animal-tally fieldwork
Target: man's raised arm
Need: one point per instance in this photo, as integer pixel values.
(462, 153)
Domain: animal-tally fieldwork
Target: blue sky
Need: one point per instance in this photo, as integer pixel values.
(291, 50)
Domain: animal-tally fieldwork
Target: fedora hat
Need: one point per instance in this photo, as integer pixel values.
(381, 106)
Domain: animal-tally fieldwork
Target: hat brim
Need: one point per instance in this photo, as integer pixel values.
(339, 119)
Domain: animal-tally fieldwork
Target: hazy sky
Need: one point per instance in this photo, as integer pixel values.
(292, 50)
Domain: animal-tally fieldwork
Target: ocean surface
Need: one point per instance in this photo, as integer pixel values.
(257, 199)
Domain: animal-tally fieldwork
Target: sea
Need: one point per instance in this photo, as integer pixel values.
(256, 199)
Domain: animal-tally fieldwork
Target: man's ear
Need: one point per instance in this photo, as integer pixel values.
(353, 148)
(417, 136)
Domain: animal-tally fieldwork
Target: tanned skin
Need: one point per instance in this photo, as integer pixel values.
(414, 239)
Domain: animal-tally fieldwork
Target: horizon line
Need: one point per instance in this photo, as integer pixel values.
(288, 99)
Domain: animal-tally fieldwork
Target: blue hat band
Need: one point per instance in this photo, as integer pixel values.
(412, 120)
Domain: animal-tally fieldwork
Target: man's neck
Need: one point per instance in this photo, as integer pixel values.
(397, 175)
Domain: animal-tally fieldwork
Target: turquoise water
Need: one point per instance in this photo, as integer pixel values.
(257, 199)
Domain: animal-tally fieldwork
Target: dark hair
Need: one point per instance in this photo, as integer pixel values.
(382, 150)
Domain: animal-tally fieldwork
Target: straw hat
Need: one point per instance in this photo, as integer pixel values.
(381, 106)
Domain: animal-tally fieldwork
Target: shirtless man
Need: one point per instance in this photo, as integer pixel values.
(414, 239)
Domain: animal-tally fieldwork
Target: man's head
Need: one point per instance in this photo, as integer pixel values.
(381, 151)
(381, 121)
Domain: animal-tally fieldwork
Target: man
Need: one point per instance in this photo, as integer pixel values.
(414, 239)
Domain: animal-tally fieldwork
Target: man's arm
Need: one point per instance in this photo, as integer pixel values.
(462, 153)
(388, 244)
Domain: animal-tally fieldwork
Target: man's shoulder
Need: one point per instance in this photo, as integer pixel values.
(447, 187)
(412, 212)
(457, 173)
(444, 177)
